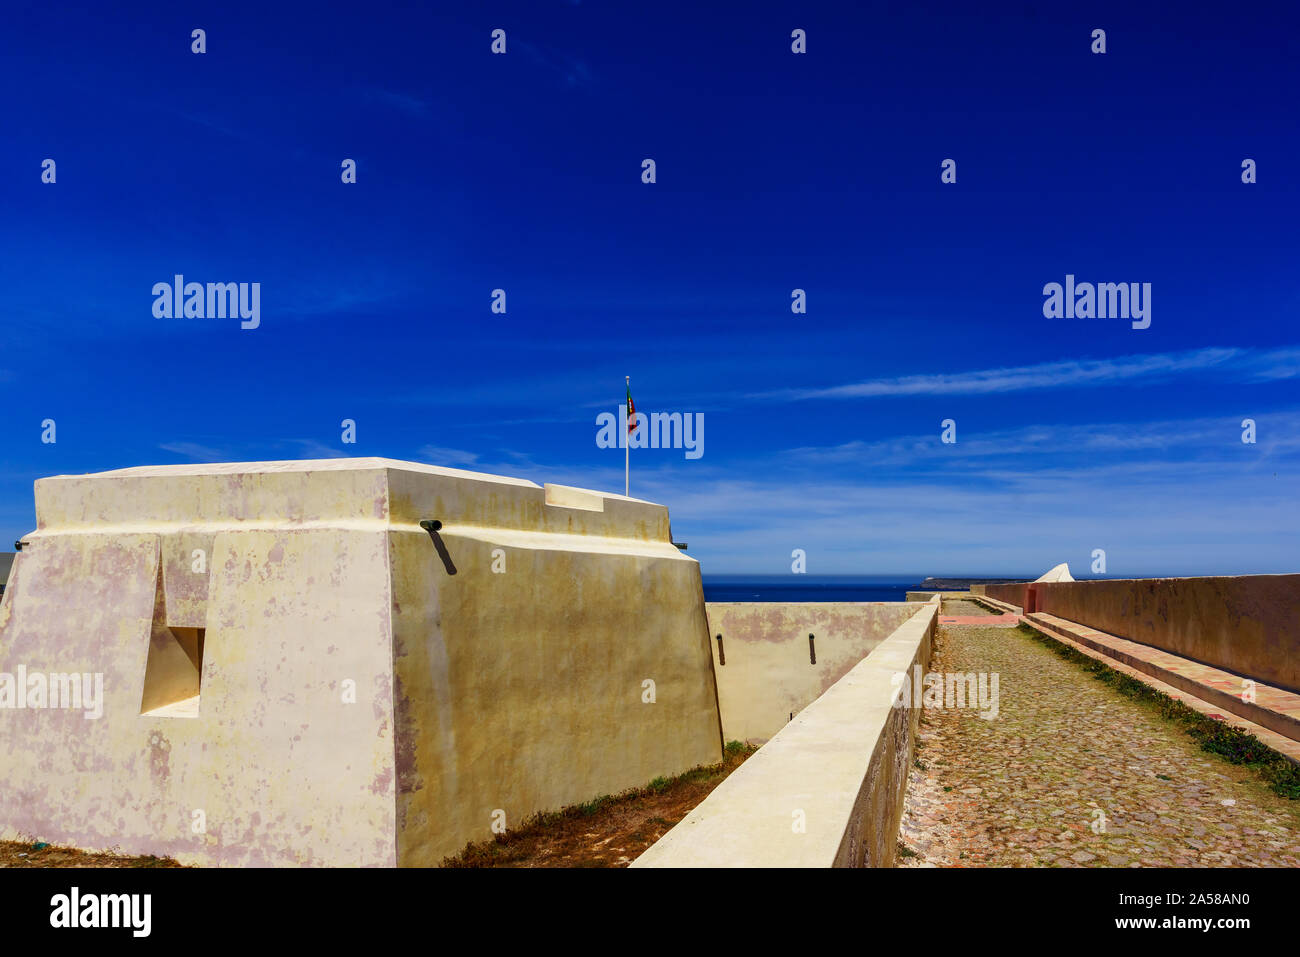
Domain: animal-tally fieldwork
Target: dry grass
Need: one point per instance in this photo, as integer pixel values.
(40, 854)
(607, 832)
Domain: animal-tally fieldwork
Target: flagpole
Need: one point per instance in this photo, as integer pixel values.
(627, 447)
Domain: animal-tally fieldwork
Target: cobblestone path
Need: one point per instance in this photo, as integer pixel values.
(960, 606)
(1071, 773)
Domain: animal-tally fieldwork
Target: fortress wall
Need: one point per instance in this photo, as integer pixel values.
(525, 690)
(768, 673)
(466, 500)
(198, 495)
(1244, 624)
(839, 768)
(274, 769)
(474, 690)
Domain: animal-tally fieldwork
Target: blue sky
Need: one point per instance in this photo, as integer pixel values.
(775, 171)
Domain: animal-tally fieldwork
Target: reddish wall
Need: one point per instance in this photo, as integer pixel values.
(1248, 624)
(1015, 593)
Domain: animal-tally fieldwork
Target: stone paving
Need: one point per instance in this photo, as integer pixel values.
(1279, 706)
(1071, 773)
(962, 607)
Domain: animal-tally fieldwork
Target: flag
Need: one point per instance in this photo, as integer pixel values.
(627, 444)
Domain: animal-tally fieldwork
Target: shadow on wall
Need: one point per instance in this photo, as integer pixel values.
(6, 563)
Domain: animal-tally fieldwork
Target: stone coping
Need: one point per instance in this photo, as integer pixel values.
(827, 790)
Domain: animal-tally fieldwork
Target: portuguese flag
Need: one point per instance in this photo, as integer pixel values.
(627, 443)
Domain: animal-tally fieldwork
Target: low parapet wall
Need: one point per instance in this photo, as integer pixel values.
(1244, 624)
(827, 790)
(998, 607)
(768, 670)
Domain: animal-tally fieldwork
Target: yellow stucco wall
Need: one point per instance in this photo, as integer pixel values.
(769, 674)
(538, 678)
(259, 776)
(519, 690)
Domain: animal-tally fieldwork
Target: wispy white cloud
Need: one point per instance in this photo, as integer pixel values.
(1241, 364)
(1161, 497)
(404, 102)
(315, 449)
(1204, 438)
(440, 455)
(573, 71)
(195, 451)
(1151, 518)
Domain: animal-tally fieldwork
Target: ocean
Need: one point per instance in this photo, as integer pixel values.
(808, 587)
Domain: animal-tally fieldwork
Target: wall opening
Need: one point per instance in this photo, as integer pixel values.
(173, 673)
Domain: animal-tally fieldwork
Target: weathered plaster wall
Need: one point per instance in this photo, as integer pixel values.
(274, 770)
(526, 690)
(840, 767)
(1244, 624)
(768, 672)
(520, 690)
